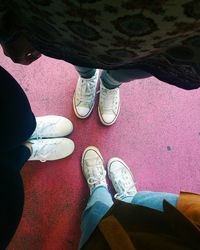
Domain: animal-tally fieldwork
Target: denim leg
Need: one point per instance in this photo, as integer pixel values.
(99, 203)
(152, 199)
(114, 78)
(85, 72)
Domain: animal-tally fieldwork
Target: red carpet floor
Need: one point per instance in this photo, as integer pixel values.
(157, 134)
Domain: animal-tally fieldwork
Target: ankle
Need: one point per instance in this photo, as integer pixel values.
(124, 197)
(94, 188)
(106, 85)
(29, 146)
(87, 75)
(108, 82)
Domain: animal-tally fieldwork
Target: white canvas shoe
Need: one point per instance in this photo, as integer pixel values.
(109, 105)
(50, 126)
(121, 178)
(51, 149)
(93, 168)
(84, 96)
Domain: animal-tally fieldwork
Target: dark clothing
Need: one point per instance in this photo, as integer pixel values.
(128, 226)
(11, 192)
(17, 125)
(17, 120)
(159, 37)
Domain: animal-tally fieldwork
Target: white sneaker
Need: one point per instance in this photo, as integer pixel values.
(121, 178)
(93, 168)
(84, 96)
(51, 149)
(50, 126)
(109, 105)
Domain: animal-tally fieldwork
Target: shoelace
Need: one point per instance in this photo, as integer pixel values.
(39, 152)
(123, 190)
(123, 187)
(108, 99)
(37, 134)
(97, 174)
(87, 91)
(93, 180)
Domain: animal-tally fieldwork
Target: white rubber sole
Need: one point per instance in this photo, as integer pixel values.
(77, 114)
(105, 123)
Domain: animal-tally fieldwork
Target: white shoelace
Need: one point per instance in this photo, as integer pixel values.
(87, 91)
(108, 100)
(40, 153)
(95, 174)
(41, 127)
(123, 185)
(94, 180)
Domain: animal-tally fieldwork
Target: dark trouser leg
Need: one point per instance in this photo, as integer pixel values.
(17, 120)
(17, 125)
(112, 79)
(11, 192)
(85, 72)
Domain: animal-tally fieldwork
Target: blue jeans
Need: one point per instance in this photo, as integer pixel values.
(114, 78)
(100, 202)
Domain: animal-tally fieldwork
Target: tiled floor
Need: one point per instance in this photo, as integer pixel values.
(157, 134)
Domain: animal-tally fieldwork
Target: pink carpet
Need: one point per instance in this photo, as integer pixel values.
(157, 134)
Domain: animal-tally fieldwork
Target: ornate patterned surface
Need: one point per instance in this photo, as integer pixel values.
(113, 34)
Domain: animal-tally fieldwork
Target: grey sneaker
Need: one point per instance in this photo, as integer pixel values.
(50, 126)
(84, 96)
(121, 178)
(51, 149)
(109, 105)
(93, 168)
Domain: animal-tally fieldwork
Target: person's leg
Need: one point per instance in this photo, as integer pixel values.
(124, 185)
(85, 92)
(153, 199)
(100, 199)
(85, 72)
(17, 125)
(114, 78)
(98, 204)
(11, 192)
(17, 119)
(109, 99)
(11, 185)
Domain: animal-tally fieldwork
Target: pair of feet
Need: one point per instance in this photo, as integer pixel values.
(118, 172)
(48, 141)
(84, 100)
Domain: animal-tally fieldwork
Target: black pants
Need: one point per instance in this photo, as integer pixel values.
(17, 124)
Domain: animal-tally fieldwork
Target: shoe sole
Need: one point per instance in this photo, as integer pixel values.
(77, 114)
(122, 162)
(105, 123)
(85, 151)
